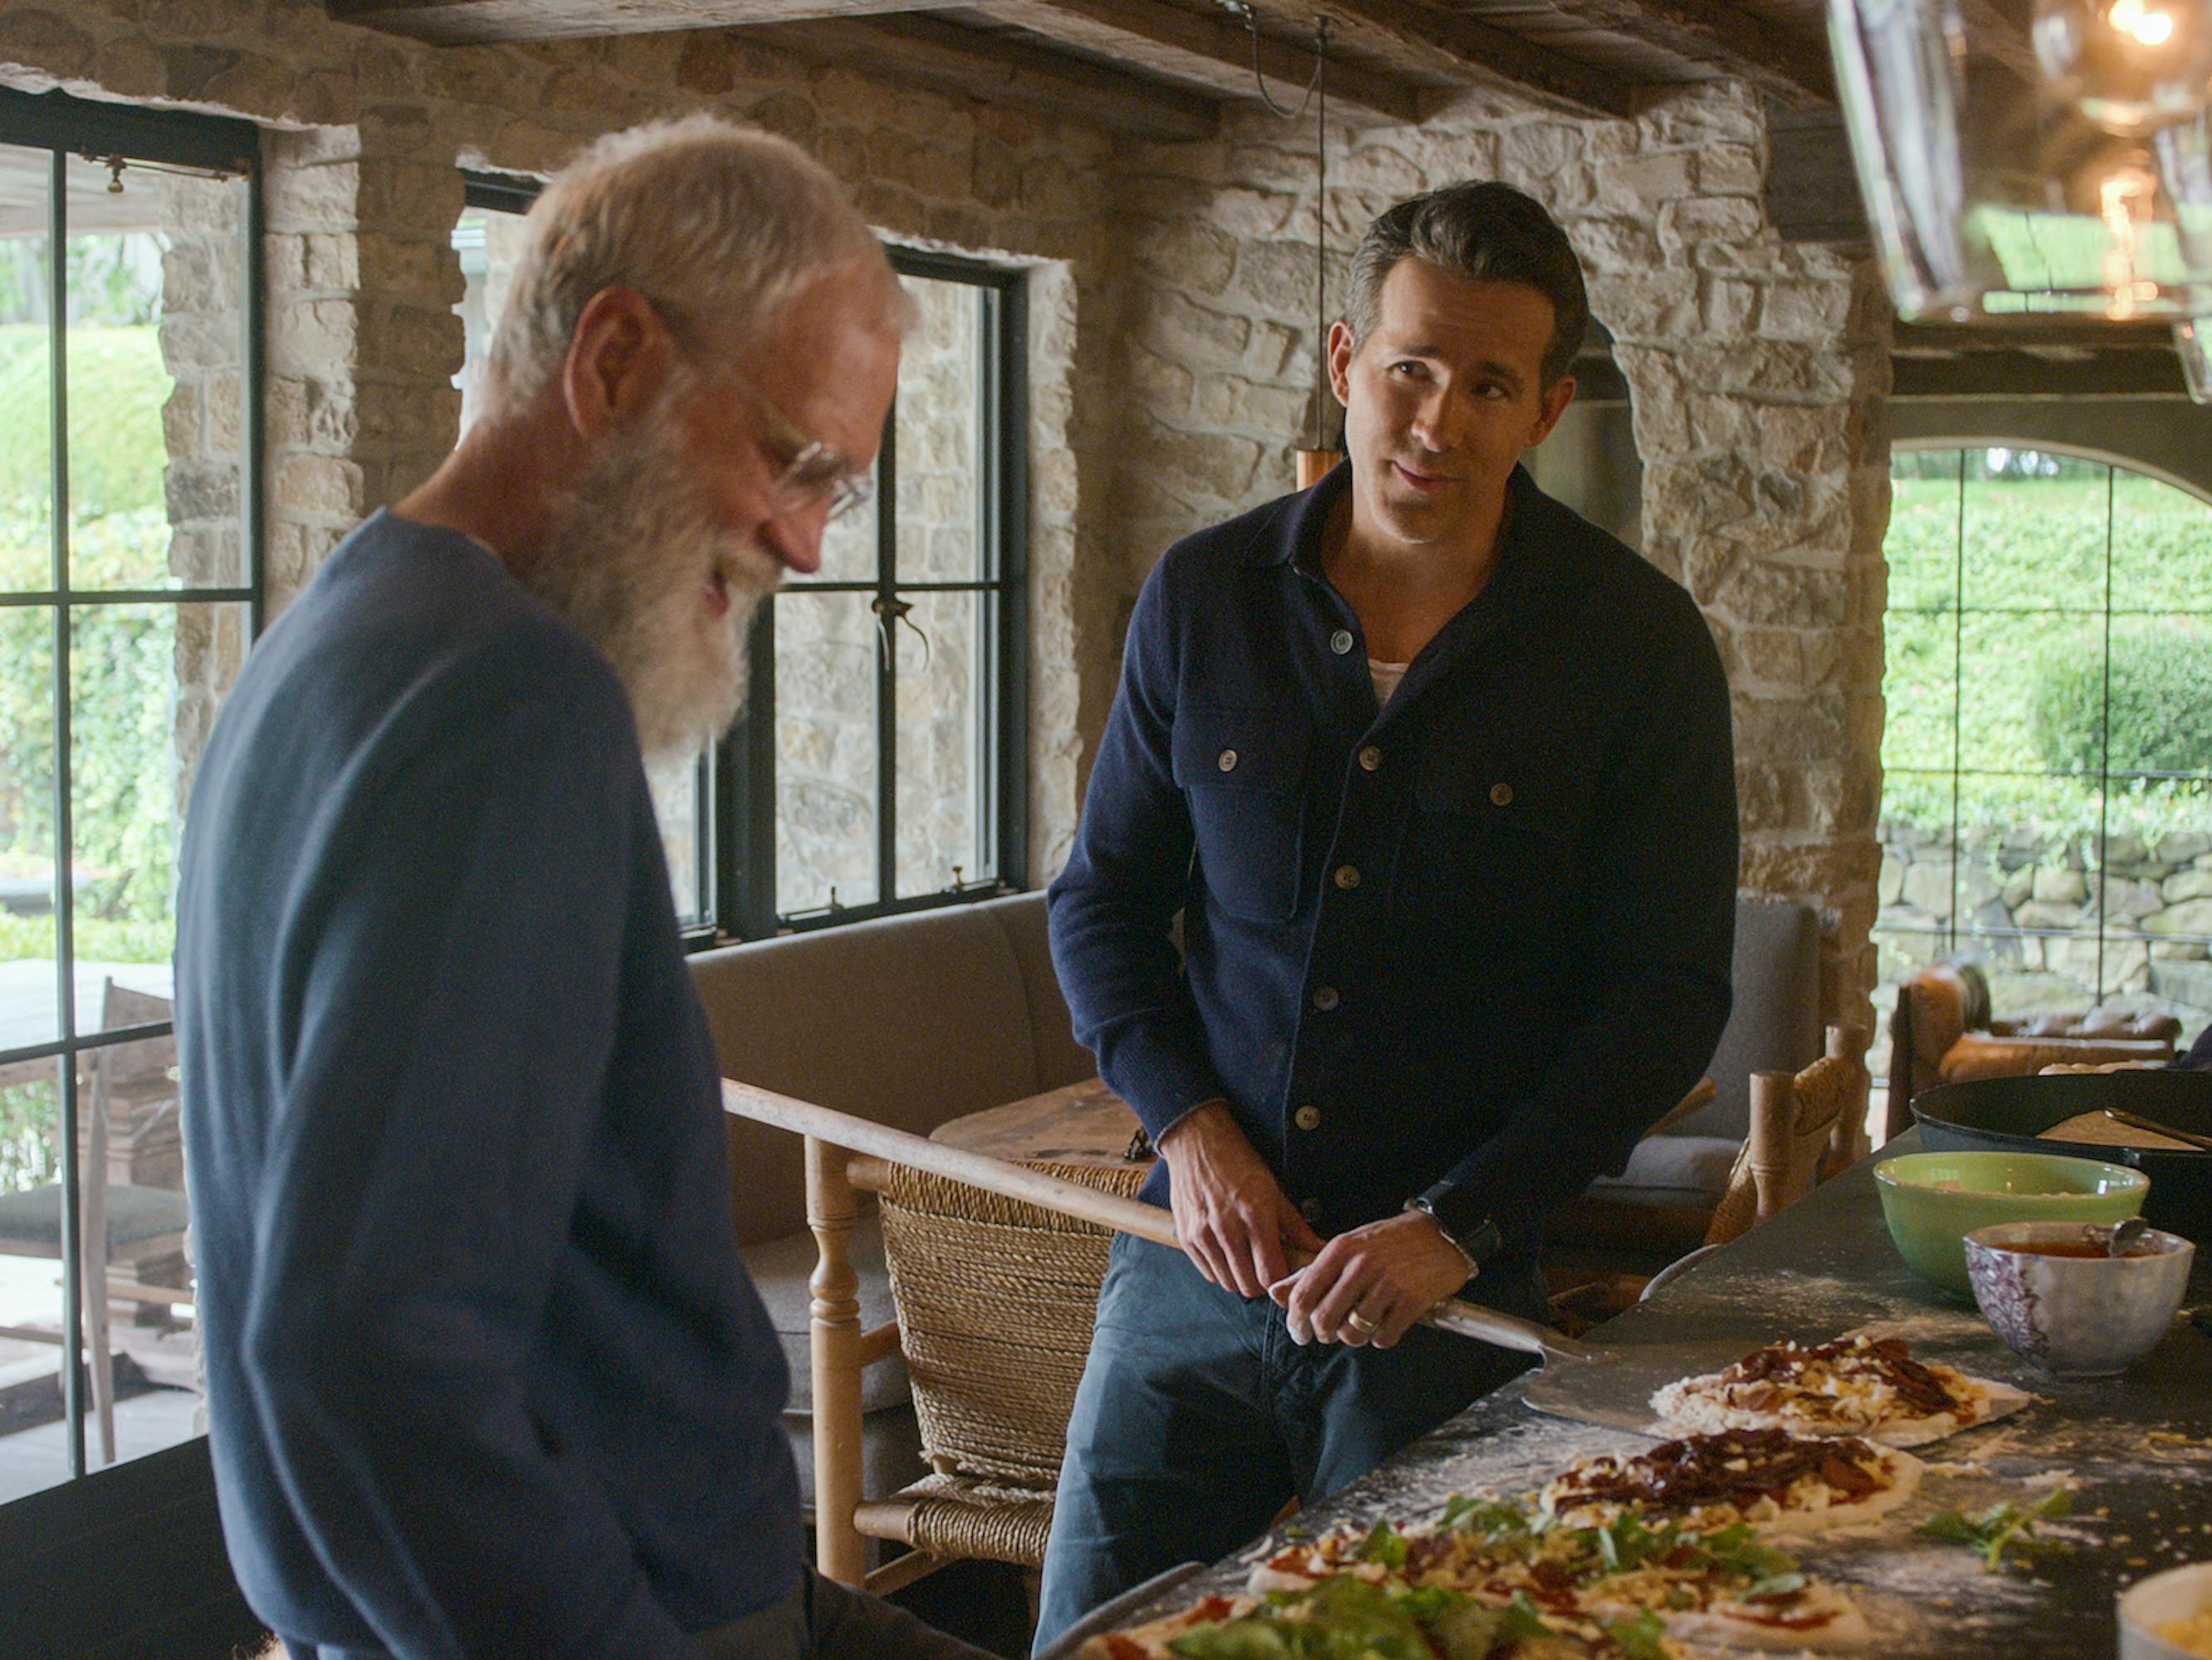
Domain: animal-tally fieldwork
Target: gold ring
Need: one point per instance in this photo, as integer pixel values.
(1360, 1323)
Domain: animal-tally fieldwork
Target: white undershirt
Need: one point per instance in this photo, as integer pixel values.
(1386, 677)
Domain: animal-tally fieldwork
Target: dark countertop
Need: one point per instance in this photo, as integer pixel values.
(2138, 1448)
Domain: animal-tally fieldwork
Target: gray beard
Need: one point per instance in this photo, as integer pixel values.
(628, 550)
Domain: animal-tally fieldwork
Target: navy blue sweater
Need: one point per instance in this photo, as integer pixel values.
(1483, 932)
(485, 1376)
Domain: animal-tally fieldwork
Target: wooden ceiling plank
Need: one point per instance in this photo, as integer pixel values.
(474, 23)
(1483, 54)
(1711, 31)
(927, 52)
(1214, 52)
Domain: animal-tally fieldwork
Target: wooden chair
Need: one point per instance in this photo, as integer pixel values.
(123, 1225)
(994, 1274)
(1805, 1127)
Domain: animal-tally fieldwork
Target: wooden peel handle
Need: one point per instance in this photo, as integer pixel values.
(1107, 1210)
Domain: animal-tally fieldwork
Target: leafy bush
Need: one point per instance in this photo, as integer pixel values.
(2161, 709)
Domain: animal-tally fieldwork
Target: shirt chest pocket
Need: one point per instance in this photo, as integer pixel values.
(1243, 773)
(1489, 863)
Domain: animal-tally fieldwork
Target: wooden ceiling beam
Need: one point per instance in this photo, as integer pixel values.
(470, 23)
(1482, 54)
(1213, 52)
(927, 52)
(1776, 60)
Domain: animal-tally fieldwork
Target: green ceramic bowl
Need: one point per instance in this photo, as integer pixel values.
(1933, 1200)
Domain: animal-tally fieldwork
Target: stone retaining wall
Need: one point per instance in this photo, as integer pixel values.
(2032, 906)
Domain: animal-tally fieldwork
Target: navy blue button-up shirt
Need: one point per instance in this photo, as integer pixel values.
(1470, 945)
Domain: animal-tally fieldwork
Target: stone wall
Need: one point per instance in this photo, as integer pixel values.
(1756, 370)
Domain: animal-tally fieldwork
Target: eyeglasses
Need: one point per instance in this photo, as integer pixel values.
(811, 471)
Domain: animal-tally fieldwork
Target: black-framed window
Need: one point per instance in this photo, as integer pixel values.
(129, 591)
(2047, 743)
(880, 764)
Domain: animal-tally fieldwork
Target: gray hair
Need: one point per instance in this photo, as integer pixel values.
(720, 225)
(1479, 229)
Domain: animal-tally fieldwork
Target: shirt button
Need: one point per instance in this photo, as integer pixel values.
(1325, 999)
(1228, 764)
(1307, 1118)
(1369, 758)
(1340, 641)
(1311, 1211)
(1347, 875)
(1501, 794)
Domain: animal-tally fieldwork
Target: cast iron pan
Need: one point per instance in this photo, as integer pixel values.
(2005, 1114)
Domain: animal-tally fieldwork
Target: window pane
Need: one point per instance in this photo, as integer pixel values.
(944, 752)
(1922, 544)
(826, 647)
(2034, 530)
(2161, 547)
(156, 286)
(1919, 676)
(941, 467)
(2031, 693)
(489, 243)
(28, 949)
(27, 553)
(675, 799)
(34, 1440)
(145, 684)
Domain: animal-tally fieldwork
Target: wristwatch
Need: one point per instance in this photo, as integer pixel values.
(1477, 1245)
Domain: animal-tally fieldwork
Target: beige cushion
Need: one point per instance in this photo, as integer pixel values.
(1687, 1170)
(780, 1269)
(908, 1021)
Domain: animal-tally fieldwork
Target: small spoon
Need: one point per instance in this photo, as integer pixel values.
(2125, 1235)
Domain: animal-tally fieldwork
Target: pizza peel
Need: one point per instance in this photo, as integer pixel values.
(1603, 1386)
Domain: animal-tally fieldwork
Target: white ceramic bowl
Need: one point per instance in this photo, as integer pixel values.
(2174, 1595)
(2079, 1316)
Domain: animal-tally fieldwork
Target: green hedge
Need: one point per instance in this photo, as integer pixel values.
(2161, 709)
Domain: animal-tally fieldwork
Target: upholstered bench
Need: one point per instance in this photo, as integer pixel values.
(909, 1021)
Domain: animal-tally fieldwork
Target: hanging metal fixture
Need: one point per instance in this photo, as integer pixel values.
(1315, 457)
(2058, 166)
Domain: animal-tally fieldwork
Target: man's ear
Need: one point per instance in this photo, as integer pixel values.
(1557, 397)
(1342, 342)
(618, 358)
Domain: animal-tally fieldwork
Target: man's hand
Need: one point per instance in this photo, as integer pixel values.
(1229, 1212)
(1390, 1273)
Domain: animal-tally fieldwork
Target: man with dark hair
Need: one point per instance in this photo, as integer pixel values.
(1440, 778)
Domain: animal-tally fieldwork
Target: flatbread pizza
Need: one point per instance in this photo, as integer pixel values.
(1777, 1482)
(1630, 1577)
(1869, 1386)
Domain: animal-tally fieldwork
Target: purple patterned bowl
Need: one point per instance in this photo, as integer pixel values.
(2077, 1315)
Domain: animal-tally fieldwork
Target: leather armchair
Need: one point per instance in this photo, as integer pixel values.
(1943, 1032)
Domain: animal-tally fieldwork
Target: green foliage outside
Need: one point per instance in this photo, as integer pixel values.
(122, 675)
(2156, 682)
(2024, 612)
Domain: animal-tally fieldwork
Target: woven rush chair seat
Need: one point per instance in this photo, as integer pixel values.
(995, 1300)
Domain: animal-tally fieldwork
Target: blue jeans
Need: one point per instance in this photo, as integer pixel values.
(1198, 1419)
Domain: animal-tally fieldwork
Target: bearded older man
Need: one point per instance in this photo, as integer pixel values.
(485, 1376)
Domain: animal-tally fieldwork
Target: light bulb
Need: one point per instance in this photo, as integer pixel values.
(2125, 201)
(2131, 66)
